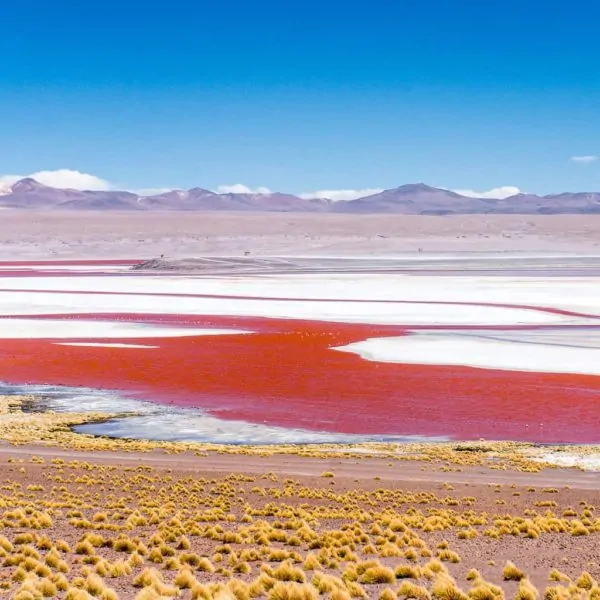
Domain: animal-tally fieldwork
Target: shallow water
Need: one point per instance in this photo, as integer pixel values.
(154, 421)
(286, 375)
(285, 381)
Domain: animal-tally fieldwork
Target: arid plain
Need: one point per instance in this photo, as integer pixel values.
(299, 406)
(98, 234)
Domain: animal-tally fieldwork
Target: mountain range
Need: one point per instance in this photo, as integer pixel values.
(411, 199)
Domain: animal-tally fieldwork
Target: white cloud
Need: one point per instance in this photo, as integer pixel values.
(6, 181)
(585, 159)
(61, 178)
(342, 194)
(67, 178)
(494, 194)
(240, 188)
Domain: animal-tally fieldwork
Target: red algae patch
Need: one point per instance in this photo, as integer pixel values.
(287, 371)
(286, 374)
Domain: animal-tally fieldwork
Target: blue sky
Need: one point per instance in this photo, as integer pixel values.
(303, 96)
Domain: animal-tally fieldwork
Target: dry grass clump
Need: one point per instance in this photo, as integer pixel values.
(408, 589)
(90, 530)
(287, 572)
(556, 575)
(378, 574)
(512, 573)
(526, 590)
(578, 528)
(448, 556)
(444, 587)
(585, 581)
(185, 579)
(482, 590)
(292, 591)
(408, 572)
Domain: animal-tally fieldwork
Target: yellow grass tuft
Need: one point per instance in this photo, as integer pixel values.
(293, 591)
(448, 556)
(444, 588)
(77, 594)
(585, 581)
(512, 573)
(556, 575)
(407, 572)
(408, 589)
(287, 572)
(526, 590)
(485, 591)
(578, 528)
(556, 593)
(339, 594)
(185, 579)
(378, 574)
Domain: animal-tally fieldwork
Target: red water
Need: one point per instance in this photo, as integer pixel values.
(286, 374)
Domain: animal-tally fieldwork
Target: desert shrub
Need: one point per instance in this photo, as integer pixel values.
(511, 572)
(292, 591)
(407, 572)
(408, 589)
(445, 588)
(378, 574)
(526, 590)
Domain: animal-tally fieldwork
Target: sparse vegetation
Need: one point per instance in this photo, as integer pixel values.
(77, 529)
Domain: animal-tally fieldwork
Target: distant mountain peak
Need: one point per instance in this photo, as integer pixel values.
(414, 188)
(199, 190)
(28, 184)
(409, 199)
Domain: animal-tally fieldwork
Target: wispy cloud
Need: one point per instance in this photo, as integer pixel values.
(240, 188)
(585, 159)
(342, 194)
(494, 194)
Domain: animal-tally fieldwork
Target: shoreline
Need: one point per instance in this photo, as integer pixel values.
(55, 433)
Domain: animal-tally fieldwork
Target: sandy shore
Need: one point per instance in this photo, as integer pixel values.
(44, 235)
(364, 467)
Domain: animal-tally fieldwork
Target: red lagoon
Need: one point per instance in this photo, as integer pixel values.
(286, 374)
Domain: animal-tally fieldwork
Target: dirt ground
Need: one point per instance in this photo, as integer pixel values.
(251, 526)
(49, 234)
